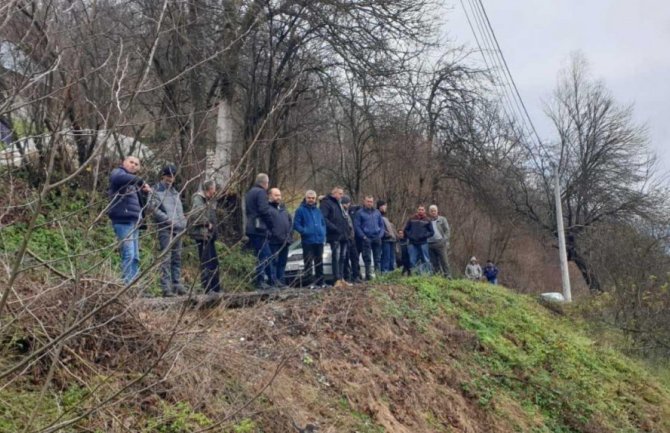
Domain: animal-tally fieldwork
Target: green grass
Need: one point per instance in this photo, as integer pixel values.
(545, 363)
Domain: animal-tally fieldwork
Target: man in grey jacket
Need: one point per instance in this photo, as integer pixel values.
(438, 244)
(169, 216)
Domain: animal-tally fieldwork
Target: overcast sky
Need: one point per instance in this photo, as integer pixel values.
(627, 45)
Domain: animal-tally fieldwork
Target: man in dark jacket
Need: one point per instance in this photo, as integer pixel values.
(280, 237)
(369, 227)
(168, 213)
(337, 231)
(352, 269)
(491, 272)
(417, 231)
(258, 228)
(125, 211)
(310, 224)
(203, 228)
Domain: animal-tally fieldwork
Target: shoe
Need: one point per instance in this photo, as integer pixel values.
(180, 290)
(339, 284)
(169, 294)
(358, 281)
(313, 287)
(281, 286)
(325, 286)
(263, 286)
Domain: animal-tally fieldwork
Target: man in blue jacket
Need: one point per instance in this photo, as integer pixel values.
(369, 227)
(310, 224)
(168, 213)
(258, 228)
(280, 237)
(125, 211)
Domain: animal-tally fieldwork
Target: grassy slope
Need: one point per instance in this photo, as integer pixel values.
(411, 355)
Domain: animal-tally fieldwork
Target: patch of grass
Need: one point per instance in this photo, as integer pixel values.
(177, 418)
(546, 364)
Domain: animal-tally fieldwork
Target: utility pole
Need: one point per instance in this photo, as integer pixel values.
(565, 275)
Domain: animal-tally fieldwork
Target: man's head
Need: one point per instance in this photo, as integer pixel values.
(369, 202)
(337, 193)
(131, 164)
(489, 262)
(209, 188)
(473, 260)
(345, 201)
(401, 233)
(433, 211)
(381, 205)
(310, 197)
(421, 211)
(168, 174)
(262, 180)
(274, 195)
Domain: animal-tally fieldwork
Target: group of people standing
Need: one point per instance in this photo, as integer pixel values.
(126, 210)
(354, 233)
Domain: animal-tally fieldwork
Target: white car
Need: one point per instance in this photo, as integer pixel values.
(295, 272)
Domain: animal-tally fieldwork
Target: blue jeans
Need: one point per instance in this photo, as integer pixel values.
(171, 262)
(419, 253)
(279, 259)
(388, 256)
(129, 247)
(372, 251)
(340, 255)
(263, 254)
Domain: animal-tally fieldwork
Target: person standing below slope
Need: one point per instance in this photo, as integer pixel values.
(168, 213)
(491, 272)
(310, 224)
(258, 227)
(473, 271)
(337, 231)
(280, 237)
(125, 212)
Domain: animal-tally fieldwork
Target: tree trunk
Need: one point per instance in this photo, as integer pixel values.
(586, 270)
(221, 157)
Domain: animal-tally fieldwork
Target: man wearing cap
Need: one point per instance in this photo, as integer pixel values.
(473, 271)
(168, 212)
(125, 211)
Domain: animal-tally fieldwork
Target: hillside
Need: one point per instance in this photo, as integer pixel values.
(415, 355)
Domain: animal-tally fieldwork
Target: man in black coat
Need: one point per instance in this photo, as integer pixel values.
(280, 237)
(337, 230)
(258, 226)
(352, 268)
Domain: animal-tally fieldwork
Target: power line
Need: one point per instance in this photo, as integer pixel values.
(516, 89)
(487, 40)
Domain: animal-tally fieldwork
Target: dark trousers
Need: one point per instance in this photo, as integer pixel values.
(388, 256)
(352, 269)
(263, 255)
(340, 255)
(439, 258)
(209, 265)
(372, 252)
(312, 255)
(279, 259)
